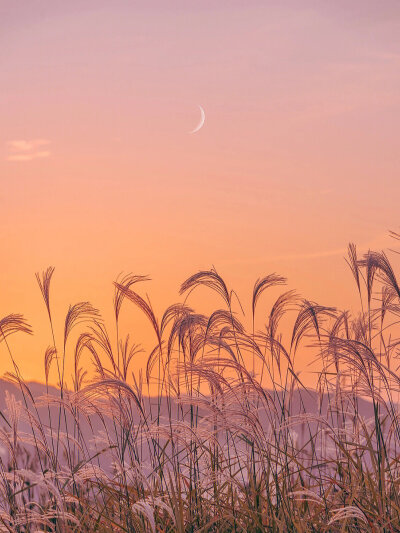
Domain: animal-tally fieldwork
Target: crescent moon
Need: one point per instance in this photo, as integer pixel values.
(201, 122)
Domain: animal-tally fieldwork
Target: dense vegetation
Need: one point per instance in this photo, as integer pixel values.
(231, 440)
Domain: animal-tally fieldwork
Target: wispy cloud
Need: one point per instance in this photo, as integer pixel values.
(380, 242)
(27, 150)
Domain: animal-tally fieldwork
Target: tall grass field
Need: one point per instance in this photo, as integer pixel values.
(218, 433)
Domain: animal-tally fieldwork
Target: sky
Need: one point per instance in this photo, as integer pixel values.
(298, 155)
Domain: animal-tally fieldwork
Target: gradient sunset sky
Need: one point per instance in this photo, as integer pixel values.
(299, 153)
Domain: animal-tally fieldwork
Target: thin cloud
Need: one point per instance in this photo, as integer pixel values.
(28, 157)
(27, 150)
(378, 242)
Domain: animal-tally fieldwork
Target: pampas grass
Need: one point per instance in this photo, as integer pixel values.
(231, 440)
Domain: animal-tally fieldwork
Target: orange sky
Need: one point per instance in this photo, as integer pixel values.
(298, 155)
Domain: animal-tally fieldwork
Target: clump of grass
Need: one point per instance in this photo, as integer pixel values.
(232, 440)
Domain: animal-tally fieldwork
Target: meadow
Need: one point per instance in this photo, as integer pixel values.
(219, 433)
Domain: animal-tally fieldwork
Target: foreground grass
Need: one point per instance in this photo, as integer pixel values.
(232, 441)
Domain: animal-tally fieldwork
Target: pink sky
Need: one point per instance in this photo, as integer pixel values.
(298, 155)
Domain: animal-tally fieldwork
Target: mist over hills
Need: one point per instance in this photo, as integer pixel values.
(303, 410)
